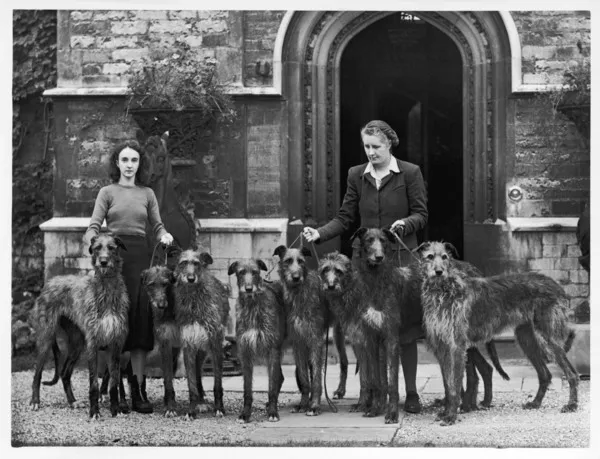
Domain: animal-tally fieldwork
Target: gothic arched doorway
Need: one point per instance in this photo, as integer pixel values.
(408, 73)
(314, 61)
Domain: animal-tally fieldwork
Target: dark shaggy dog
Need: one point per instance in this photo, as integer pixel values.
(307, 320)
(381, 284)
(260, 330)
(460, 311)
(344, 294)
(158, 282)
(92, 310)
(201, 311)
(413, 276)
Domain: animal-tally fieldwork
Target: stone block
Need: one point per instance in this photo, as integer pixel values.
(53, 266)
(263, 245)
(525, 245)
(539, 264)
(577, 290)
(579, 276)
(213, 26)
(81, 263)
(231, 245)
(194, 41)
(220, 264)
(169, 27)
(183, 14)
(129, 28)
(148, 15)
(81, 15)
(566, 263)
(129, 55)
(538, 52)
(95, 56)
(573, 251)
(554, 251)
(114, 69)
(562, 277)
(110, 15)
(82, 41)
(117, 42)
(559, 238)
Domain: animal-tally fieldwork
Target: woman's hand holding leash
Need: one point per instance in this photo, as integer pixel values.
(310, 234)
(167, 239)
(398, 227)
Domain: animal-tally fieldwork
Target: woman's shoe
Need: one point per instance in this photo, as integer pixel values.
(137, 402)
(412, 404)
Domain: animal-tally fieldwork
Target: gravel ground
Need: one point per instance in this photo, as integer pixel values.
(505, 425)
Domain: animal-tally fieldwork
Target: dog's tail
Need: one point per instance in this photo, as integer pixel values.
(56, 353)
(491, 349)
(569, 341)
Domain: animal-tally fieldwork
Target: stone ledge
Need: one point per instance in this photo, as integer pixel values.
(208, 225)
(243, 225)
(119, 91)
(548, 224)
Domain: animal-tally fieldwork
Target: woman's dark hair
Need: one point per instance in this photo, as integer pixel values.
(380, 127)
(142, 174)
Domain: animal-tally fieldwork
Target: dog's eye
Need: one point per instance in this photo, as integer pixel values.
(444, 257)
(196, 263)
(430, 256)
(242, 272)
(338, 272)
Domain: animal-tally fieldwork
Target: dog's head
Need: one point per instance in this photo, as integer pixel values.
(375, 245)
(436, 258)
(104, 249)
(190, 265)
(292, 264)
(335, 272)
(157, 281)
(247, 274)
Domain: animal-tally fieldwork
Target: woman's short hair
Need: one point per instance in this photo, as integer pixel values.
(378, 127)
(142, 174)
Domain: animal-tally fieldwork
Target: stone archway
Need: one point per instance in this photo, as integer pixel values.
(311, 54)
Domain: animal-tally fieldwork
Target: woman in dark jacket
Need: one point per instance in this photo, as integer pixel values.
(385, 192)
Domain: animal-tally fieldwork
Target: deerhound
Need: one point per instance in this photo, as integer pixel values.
(201, 312)
(92, 310)
(381, 285)
(260, 331)
(344, 294)
(308, 318)
(460, 311)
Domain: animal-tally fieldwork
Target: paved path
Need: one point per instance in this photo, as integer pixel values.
(353, 427)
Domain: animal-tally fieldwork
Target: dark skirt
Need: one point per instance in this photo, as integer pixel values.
(135, 259)
(412, 319)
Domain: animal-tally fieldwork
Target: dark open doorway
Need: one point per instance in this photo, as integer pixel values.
(408, 73)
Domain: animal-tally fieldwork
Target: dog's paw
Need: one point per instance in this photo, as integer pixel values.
(339, 393)
(313, 411)
(299, 409)
(170, 413)
(569, 408)
(273, 417)
(484, 406)
(77, 404)
(190, 416)
(357, 408)
(219, 413)
(34, 406)
(531, 406)
(448, 419)
(243, 418)
(391, 418)
(124, 407)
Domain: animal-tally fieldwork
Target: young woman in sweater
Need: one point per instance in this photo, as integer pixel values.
(128, 206)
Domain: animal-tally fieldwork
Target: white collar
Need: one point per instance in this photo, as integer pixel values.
(392, 167)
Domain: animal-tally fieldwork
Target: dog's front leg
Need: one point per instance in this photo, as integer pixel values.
(393, 362)
(92, 357)
(275, 382)
(340, 344)
(301, 357)
(247, 372)
(217, 358)
(189, 357)
(454, 368)
(166, 354)
(373, 370)
(316, 360)
(114, 368)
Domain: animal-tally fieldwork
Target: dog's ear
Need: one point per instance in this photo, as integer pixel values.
(172, 277)
(120, 243)
(451, 250)
(280, 251)
(92, 241)
(232, 268)
(390, 235)
(422, 246)
(359, 233)
(261, 264)
(305, 252)
(206, 258)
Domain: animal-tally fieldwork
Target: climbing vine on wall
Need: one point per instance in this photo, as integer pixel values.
(34, 70)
